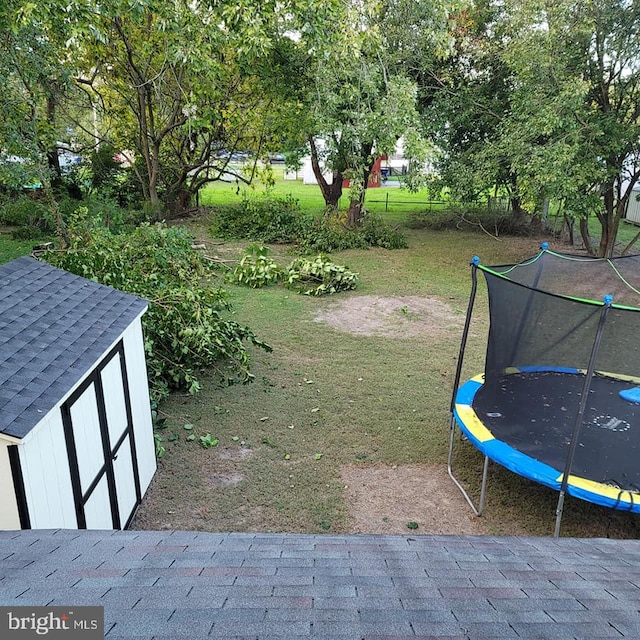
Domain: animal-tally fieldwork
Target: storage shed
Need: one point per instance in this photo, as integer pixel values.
(76, 436)
(632, 214)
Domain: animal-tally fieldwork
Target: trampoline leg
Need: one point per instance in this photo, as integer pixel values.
(478, 511)
(559, 510)
(483, 490)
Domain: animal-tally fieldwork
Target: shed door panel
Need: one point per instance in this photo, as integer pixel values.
(125, 481)
(100, 434)
(87, 436)
(120, 437)
(115, 407)
(96, 509)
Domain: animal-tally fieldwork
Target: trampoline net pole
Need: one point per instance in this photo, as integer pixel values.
(580, 415)
(465, 332)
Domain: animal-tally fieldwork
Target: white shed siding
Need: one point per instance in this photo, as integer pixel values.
(633, 208)
(9, 517)
(140, 403)
(47, 481)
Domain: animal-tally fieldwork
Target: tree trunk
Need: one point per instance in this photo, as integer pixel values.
(568, 225)
(331, 192)
(584, 233)
(614, 223)
(518, 212)
(606, 222)
(356, 210)
(53, 160)
(356, 204)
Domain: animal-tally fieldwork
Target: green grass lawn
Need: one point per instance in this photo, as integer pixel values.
(10, 248)
(396, 203)
(327, 398)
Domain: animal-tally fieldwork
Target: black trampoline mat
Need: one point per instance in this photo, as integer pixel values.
(535, 413)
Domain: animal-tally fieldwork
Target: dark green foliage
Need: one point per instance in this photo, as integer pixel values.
(378, 234)
(102, 211)
(327, 234)
(30, 217)
(264, 219)
(185, 326)
(281, 220)
(104, 168)
(108, 177)
(493, 220)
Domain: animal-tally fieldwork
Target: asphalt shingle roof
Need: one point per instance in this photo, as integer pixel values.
(53, 327)
(175, 584)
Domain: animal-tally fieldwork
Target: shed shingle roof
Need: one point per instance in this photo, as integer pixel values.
(54, 326)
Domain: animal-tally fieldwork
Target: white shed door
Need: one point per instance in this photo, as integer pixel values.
(102, 456)
(90, 460)
(120, 437)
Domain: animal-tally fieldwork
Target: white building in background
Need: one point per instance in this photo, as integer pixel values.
(633, 206)
(396, 162)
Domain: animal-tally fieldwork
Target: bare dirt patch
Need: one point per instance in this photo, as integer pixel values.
(385, 499)
(391, 316)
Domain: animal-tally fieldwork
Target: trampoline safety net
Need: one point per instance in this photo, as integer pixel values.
(562, 374)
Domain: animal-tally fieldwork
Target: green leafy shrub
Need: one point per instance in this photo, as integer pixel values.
(378, 234)
(185, 327)
(31, 217)
(270, 219)
(101, 211)
(264, 219)
(281, 220)
(494, 220)
(328, 234)
(256, 268)
(319, 276)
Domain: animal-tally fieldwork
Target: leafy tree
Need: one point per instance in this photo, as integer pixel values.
(356, 91)
(544, 105)
(584, 61)
(174, 83)
(468, 102)
(169, 82)
(36, 78)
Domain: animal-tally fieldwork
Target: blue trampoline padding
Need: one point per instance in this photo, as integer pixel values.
(529, 467)
(467, 392)
(631, 395)
(534, 369)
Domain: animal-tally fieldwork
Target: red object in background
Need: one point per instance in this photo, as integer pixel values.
(375, 177)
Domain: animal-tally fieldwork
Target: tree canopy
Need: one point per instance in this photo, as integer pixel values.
(531, 99)
(543, 99)
(358, 97)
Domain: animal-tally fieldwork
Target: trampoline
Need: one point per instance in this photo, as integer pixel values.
(559, 399)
